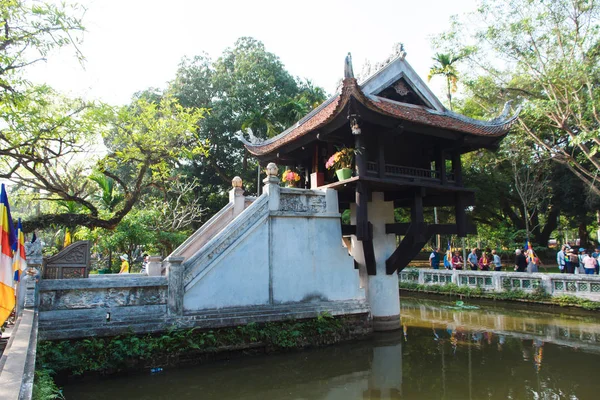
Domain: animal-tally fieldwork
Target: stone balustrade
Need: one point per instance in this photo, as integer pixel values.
(584, 286)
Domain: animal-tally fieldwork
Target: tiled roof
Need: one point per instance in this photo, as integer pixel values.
(444, 120)
(402, 111)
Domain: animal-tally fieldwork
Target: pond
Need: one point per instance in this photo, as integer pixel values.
(443, 351)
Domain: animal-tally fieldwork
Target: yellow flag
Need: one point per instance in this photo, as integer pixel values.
(67, 238)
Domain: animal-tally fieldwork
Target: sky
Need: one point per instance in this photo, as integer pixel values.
(131, 45)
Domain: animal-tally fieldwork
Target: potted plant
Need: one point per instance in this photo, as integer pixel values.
(341, 162)
(290, 178)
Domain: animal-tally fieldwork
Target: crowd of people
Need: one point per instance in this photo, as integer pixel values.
(568, 260)
(488, 261)
(582, 262)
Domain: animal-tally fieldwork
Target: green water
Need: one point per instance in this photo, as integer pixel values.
(493, 352)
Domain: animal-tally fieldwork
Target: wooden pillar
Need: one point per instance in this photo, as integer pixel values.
(416, 214)
(440, 164)
(362, 217)
(457, 167)
(461, 215)
(381, 156)
(359, 146)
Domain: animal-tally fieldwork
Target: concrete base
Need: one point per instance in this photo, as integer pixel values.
(382, 324)
(382, 289)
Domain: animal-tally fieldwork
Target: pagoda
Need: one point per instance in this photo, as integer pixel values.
(408, 149)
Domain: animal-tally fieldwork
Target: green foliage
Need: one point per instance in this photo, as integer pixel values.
(567, 300)
(247, 90)
(539, 294)
(44, 387)
(110, 355)
(38, 28)
(546, 57)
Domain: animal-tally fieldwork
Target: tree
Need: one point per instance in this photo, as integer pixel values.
(445, 65)
(143, 144)
(546, 52)
(247, 88)
(28, 32)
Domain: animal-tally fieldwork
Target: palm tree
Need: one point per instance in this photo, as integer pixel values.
(445, 65)
(109, 198)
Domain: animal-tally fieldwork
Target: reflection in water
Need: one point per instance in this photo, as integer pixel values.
(440, 353)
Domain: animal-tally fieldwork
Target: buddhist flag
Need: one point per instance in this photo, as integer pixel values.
(20, 260)
(8, 240)
(529, 250)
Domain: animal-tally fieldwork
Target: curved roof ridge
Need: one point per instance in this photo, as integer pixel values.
(500, 120)
(299, 123)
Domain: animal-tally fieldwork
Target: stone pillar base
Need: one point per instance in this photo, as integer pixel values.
(389, 323)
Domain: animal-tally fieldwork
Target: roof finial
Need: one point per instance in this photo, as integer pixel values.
(348, 71)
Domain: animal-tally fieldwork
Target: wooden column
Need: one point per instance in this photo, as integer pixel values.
(416, 214)
(461, 215)
(362, 217)
(440, 164)
(381, 156)
(364, 230)
(457, 167)
(360, 158)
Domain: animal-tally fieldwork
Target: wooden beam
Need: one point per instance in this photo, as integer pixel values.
(362, 217)
(431, 201)
(369, 254)
(408, 248)
(398, 229)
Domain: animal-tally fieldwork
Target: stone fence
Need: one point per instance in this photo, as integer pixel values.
(583, 286)
(114, 304)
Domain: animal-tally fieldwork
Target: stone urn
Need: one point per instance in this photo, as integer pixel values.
(154, 267)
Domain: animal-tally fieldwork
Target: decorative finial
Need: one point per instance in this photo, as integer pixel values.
(236, 182)
(348, 71)
(272, 169)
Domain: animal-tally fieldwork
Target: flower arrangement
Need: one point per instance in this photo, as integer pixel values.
(290, 177)
(341, 159)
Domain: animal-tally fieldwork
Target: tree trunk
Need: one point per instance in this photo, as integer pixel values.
(584, 238)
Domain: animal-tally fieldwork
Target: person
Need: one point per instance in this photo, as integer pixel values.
(570, 259)
(145, 264)
(124, 264)
(497, 261)
(520, 261)
(434, 258)
(589, 264)
(484, 262)
(534, 262)
(457, 261)
(596, 255)
(448, 259)
(560, 259)
(580, 268)
(472, 260)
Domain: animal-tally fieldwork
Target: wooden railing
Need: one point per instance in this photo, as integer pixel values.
(398, 171)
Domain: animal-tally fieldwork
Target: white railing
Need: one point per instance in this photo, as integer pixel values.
(584, 286)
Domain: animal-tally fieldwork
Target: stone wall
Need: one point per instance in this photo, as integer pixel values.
(286, 247)
(97, 306)
(280, 256)
(583, 286)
